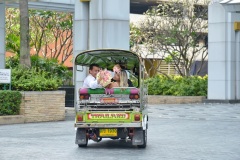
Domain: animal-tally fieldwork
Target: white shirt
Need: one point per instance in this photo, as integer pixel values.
(91, 82)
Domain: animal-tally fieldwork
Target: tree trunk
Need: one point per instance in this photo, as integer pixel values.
(24, 34)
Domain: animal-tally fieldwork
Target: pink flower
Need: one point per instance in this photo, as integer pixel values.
(105, 77)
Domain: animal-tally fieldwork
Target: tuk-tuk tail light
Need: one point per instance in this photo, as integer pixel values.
(84, 96)
(80, 117)
(137, 117)
(134, 96)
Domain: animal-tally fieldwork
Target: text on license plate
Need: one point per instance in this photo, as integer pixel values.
(109, 132)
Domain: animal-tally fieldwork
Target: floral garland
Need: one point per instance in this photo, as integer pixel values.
(105, 77)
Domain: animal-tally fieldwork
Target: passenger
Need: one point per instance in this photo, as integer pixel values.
(117, 69)
(90, 81)
(121, 80)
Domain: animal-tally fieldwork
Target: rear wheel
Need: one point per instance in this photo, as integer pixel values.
(81, 137)
(84, 145)
(144, 140)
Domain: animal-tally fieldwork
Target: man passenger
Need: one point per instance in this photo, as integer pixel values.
(90, 81)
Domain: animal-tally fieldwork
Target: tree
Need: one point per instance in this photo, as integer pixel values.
(51, 33)
(24, 34)
(12, 31)
(172, 32)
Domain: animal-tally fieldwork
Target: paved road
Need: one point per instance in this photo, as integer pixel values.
(176, 132)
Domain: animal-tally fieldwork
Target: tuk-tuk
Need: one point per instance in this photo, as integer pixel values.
(116, 113)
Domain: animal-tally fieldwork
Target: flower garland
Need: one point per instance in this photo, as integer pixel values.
(105, 77)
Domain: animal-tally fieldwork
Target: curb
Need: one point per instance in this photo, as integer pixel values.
(157, 99)
(13, 119)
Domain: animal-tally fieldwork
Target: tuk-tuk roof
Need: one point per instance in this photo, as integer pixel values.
(107, 58)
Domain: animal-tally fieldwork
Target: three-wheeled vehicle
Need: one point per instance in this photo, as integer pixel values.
(116, 113)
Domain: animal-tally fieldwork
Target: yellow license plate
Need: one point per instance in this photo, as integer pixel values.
(110, 132)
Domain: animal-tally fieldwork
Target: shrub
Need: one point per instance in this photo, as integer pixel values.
(44, 64)
(34, 80)
(177, 85)
(10, 102)
(45, 74)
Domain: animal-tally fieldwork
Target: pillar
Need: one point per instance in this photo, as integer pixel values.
(109, 24)
(238, 65)
(2, 35)
(99, 24)
(80, 40)
(223, 57)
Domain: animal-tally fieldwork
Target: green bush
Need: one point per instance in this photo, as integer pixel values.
(51, 66)
(177, 85)
(44, 64)
(34, 80)
(10, 102)
(45, 74)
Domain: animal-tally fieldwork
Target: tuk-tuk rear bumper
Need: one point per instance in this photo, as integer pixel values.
(108, 125)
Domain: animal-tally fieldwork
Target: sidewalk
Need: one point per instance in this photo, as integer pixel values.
(214, 111)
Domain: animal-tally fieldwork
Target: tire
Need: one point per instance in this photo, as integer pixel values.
(144, 140)
(84, 145)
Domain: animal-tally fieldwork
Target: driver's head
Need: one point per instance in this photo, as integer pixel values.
(94, 69)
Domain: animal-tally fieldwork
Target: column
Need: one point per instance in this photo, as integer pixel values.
(2, 35)
(223, 58)
(232, 56)
(236, 18)
(238, 65)
(217, 52)
(80, 41)
(109, 24)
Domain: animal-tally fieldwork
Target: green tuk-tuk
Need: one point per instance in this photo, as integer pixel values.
(117, 113)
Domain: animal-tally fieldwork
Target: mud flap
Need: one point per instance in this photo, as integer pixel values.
(138, 138)
(81, 136)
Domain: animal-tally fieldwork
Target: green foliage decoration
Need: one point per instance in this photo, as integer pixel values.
(10, 102)
(177, 85)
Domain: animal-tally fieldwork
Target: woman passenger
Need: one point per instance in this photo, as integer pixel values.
(121, 80)
(117, 70)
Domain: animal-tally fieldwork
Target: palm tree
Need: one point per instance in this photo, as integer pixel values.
(24, 34)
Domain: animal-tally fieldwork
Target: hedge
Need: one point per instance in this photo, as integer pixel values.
(10, 102)
(177, 85)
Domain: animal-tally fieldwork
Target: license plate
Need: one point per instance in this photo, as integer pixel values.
(109, 100)
(110, 132)
(108, 116)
